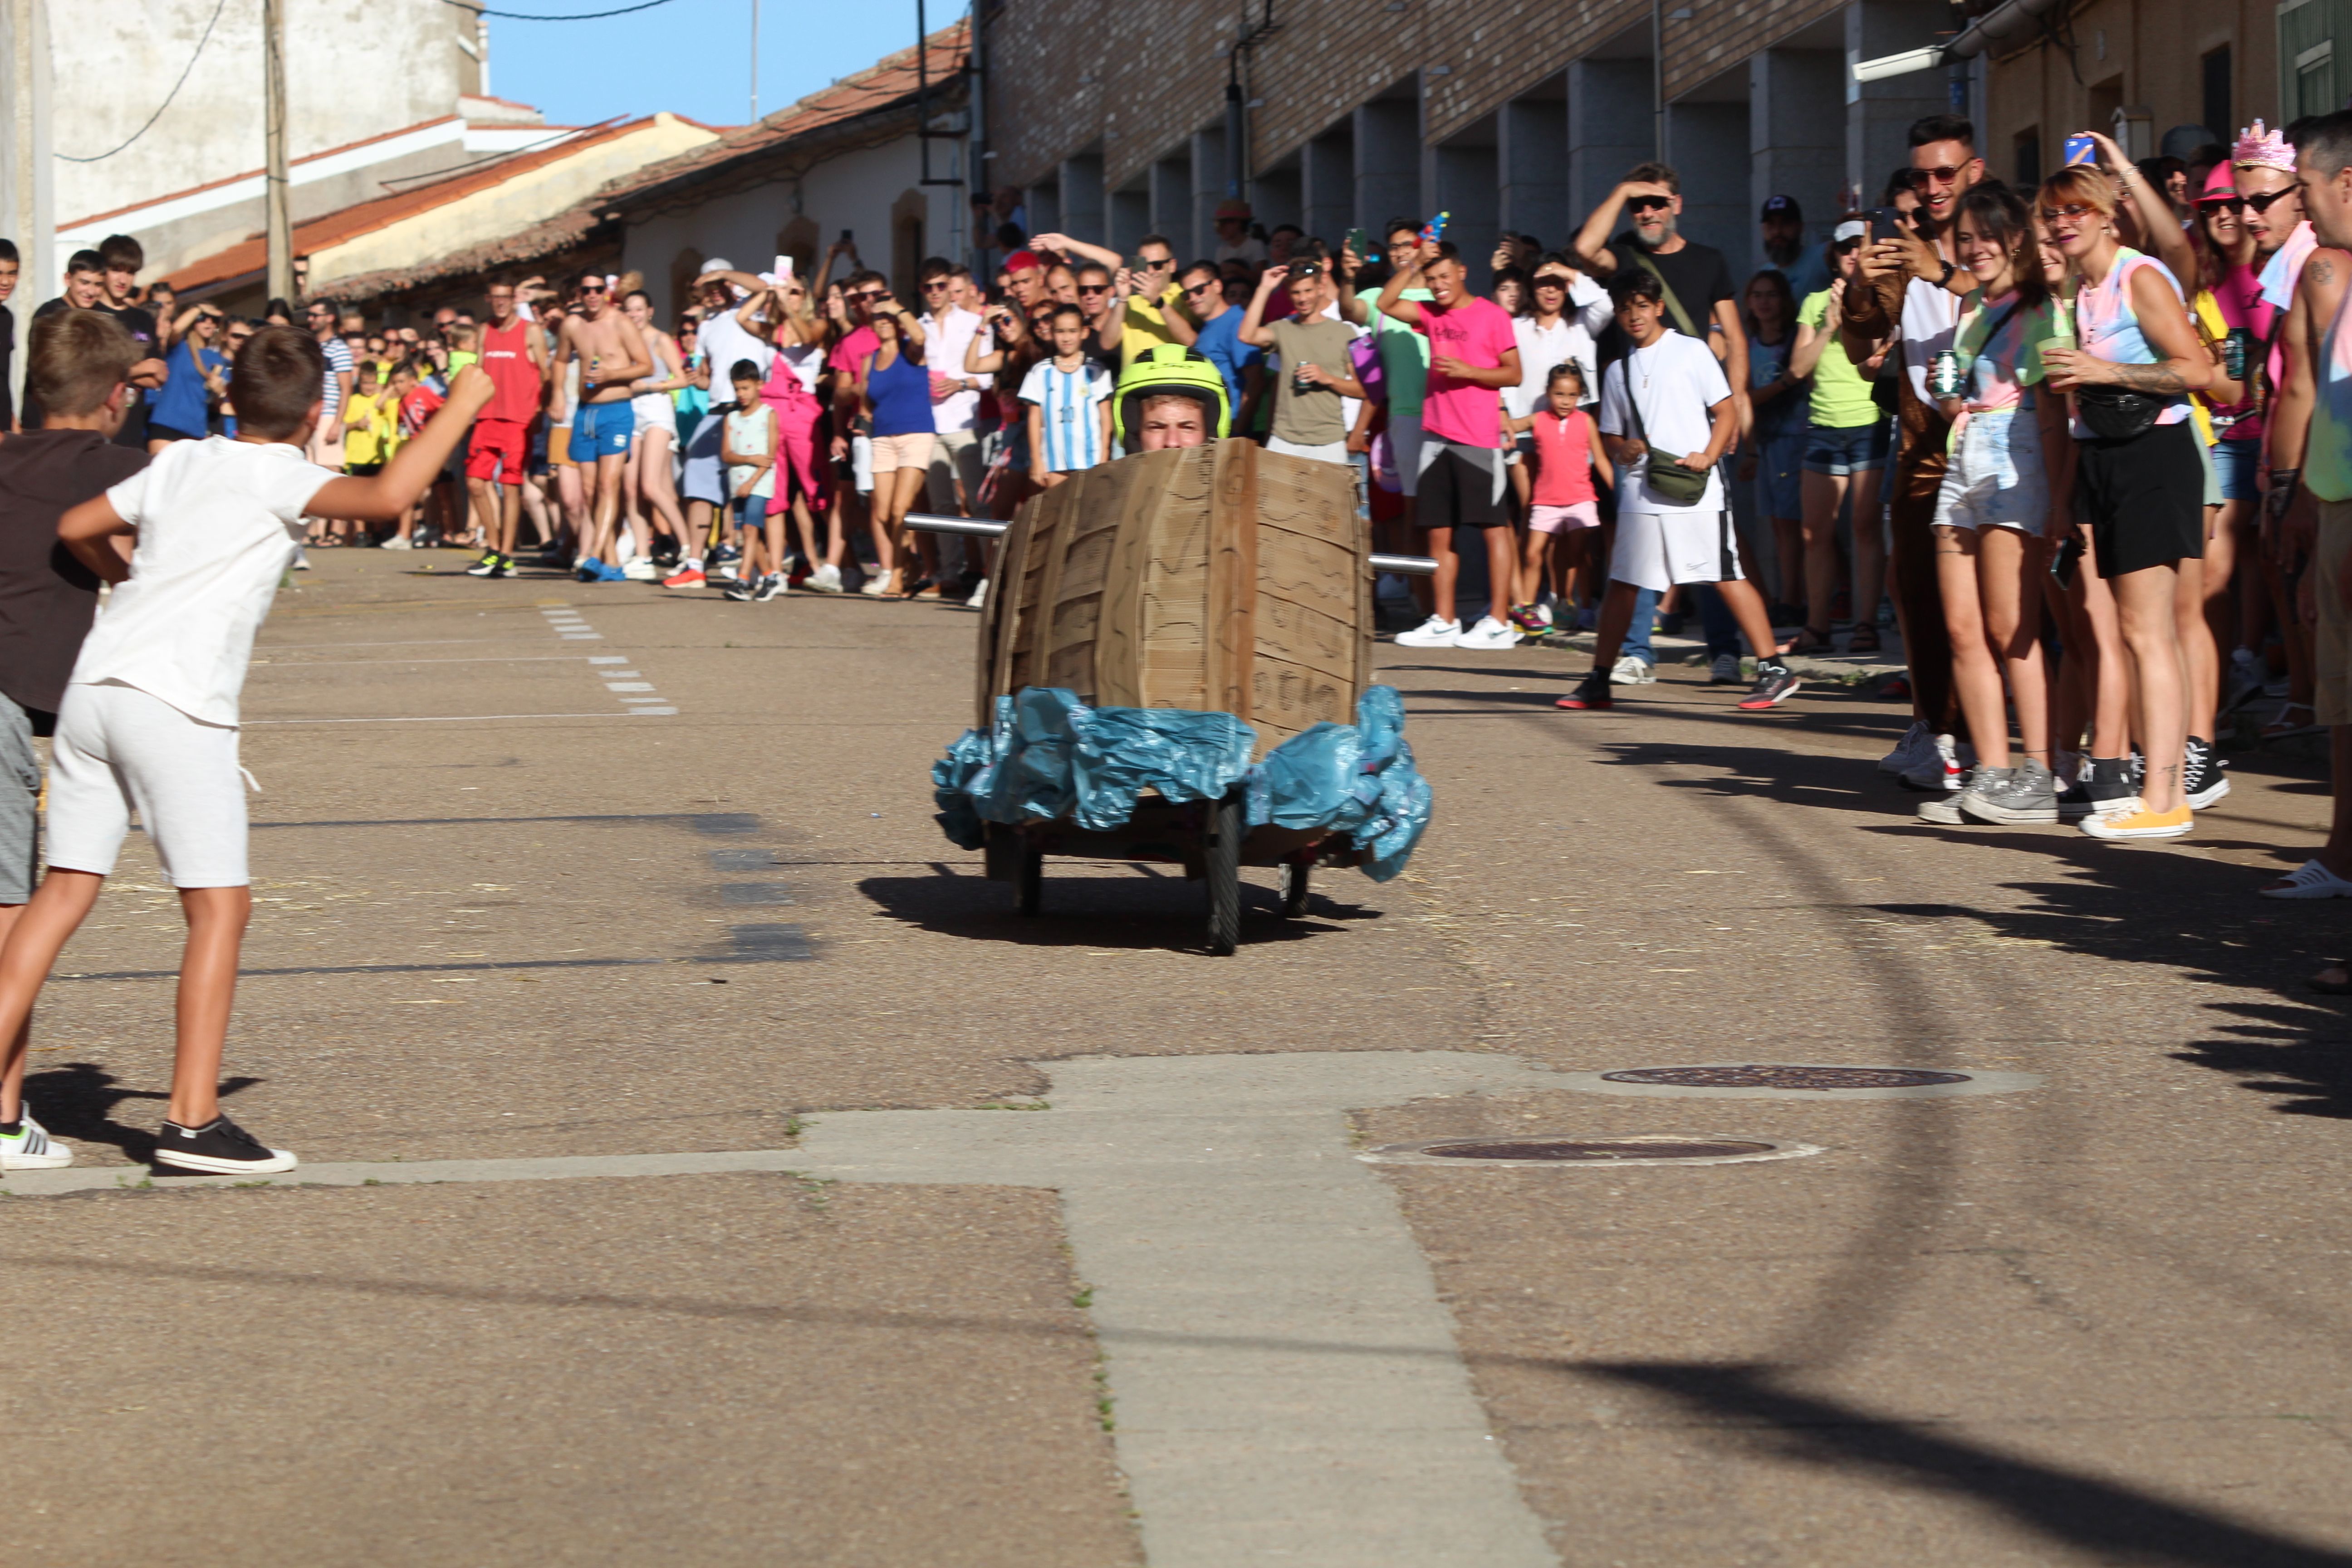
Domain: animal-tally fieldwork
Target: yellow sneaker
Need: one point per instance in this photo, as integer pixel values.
(2134, 820)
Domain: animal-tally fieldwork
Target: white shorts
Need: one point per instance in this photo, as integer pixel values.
(1404, 441)
(118, 748)
(1995, 477)
(1333, 452)
(654, 410)
(1656, 550)
(861, 463)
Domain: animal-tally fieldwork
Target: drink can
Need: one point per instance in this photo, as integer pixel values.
(1945, 377)
(2234, 353)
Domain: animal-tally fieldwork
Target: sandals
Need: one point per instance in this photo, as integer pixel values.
(2280, 727)
(2309, 881)
(1863, 639)
(1809, 640)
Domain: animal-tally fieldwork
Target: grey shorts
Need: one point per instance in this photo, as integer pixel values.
(20, 793)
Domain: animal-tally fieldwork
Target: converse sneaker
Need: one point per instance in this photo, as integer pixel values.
(1432, 632)
(30, 1148)
(2134, 820)
(1944, 810)
(1632, 671)
(1942, 767)
(2203, 777)
(218, 1148)
(2025, 793)
(1490, 633)
(1910, 751)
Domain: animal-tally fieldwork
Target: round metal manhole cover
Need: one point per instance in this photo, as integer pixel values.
(1799, 1080)
(1564, 1150)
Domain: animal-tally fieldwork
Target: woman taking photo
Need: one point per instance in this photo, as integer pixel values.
(1845, 456)
(2140, 480)
(1993, 512)
(894, 391)
(781, 318)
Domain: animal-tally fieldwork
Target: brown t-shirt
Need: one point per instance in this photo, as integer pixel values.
(47, 598)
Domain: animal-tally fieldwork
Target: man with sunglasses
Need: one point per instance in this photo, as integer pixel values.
(327, 441)
(1241, 366)
(611, 353)
(1096, 294)
(1696, 279)
(949, 330)
(1152, 312)
(1907, 291)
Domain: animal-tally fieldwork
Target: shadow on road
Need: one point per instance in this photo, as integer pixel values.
(76, 1101)
(2107, 1520)
(1101, 904)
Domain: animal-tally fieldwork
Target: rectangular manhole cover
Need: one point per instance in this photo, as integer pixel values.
(755, 893)
(742, 859)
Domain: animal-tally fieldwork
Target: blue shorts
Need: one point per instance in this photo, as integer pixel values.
(2235, 464)
(602, 430)
(1779, 474)
(1841, 451)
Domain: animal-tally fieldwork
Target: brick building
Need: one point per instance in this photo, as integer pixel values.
(1113, 119)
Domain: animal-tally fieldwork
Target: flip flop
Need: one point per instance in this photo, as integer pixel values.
(2309, 881)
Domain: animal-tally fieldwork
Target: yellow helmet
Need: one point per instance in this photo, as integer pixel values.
(1161, 370)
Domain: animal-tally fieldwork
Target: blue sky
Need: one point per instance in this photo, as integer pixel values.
(691, 57)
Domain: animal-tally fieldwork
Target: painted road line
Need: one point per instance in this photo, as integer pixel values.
(440, 718)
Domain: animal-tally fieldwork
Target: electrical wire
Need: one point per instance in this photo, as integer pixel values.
(527, 16)
(176, 86)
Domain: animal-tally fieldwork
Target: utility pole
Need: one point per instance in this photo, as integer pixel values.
(755, 64)
(280, 219)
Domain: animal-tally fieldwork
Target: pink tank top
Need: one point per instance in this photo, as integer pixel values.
(1563, 458)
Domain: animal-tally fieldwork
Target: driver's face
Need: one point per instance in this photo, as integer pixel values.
(1175, 422)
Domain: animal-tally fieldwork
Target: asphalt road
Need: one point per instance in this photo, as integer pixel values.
(509, 922)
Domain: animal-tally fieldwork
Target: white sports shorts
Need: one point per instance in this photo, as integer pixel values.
(1659, 549)
(118, 748)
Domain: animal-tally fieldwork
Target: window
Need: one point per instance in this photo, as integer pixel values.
(2029, 158)
(2214, 78)
(2311, 81)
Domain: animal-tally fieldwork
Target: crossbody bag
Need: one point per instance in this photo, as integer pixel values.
(1681, 486)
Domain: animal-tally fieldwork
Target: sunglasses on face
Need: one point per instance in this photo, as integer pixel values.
(1946, 175)
(2072, 212)
(2262, 204)
(592, 289)
(1650, 204)
(1094, 288)
(869, 296)
(1202, 287)
(2232, 205)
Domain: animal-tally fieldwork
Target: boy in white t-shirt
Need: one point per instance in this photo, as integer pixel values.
(150, 715)
(1666, 402)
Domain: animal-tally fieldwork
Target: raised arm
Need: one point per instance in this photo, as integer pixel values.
(382, 497)
(2160, 231)
(1254, 329)
(1069, 246)
(1392, 303)
(2182, 365)
(1591, 241)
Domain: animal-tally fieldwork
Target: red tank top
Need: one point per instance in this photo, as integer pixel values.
(506, 356)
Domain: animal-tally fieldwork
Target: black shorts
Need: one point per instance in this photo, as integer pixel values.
(2144, 498)
(165, 433)
(1461, 487)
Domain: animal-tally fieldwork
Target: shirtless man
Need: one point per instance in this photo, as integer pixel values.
(514, 353)
(611, 353)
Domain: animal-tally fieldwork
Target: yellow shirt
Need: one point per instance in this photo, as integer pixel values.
(368, 430)
(1146, 326)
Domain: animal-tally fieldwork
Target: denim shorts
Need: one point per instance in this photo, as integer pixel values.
(1850, 449)
(2236, 464)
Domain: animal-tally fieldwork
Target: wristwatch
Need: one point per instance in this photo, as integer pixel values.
(1944, 278)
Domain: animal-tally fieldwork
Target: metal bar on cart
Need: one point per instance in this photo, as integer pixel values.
(980, 528)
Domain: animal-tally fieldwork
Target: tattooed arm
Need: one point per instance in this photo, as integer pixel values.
(2182, 365)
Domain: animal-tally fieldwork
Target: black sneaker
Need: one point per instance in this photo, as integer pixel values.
(219, 1148)
(743, 590)
(2203, 776)
(1591, 693)
(491, 564)
(1775, 684)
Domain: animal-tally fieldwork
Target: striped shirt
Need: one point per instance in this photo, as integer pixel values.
(1073, 429)
(338, 358)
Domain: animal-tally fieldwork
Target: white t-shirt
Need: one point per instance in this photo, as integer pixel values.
(944, 343)
(1567, 340)
(212, 518)
(723, 341)
(806, 362)
(1675, 382)
(1931, 320)
(1252, 249)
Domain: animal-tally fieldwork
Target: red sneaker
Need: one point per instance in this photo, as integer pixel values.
(685, 577)
(1591, 692)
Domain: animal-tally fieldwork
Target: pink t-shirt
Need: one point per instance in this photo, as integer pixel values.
(1563, 458)
(1477, 333)
(850, 353)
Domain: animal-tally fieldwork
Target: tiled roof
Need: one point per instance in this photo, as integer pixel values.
(888, 82)
(252, 255)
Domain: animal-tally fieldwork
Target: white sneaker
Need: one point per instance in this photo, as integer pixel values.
(1910, 751)
(396, 542)
(979, 600)
(1490, 633)
(1632, 671)
(301, 558)
(875, 585)
(826, 579)
(29, 1148)
(641, 569)
(1432, 632)
(1944, 767)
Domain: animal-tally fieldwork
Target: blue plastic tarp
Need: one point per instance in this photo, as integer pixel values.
(1050, 756)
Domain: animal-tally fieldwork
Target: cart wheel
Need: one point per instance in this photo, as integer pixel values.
(1028, 879)
(1223, 865)
(1294, 890)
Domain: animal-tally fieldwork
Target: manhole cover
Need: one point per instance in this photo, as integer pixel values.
(1759, 1075)
(1799, 1080)
(1645, 1149)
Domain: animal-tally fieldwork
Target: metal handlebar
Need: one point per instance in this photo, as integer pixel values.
(980, 528)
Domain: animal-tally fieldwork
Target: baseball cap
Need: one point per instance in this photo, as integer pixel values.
(716, 264)
(1852, 228)
(1783, 207)
(1233, 206)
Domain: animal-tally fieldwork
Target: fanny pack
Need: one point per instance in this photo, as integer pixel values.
(1665, 474)
(2117, 413)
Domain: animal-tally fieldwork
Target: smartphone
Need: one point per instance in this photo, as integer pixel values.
(847, 239)
(1138, 265)
(2080, 150)
(1884, 225)
(783, 269)
(2069, 558)
(1360, 242)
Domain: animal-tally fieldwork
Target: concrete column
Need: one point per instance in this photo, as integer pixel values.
(1794, 148)
(1530, 141)
(1326, 185)
(1878, 114)
(1388, 161)
(1708, 147)
(1464, 184)
(1199, 235)
(1130, 218)
(1276, 197)
(1082, 198)
(1045, 205)
(1609, 128)
(27, 204)
(1171, 197)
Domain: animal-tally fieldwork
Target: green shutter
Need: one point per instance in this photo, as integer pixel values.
(2315, 57)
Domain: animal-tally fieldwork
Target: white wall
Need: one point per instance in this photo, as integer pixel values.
(856, 191)
(354, 68)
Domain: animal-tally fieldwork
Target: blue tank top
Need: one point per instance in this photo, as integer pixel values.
(900, 395)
